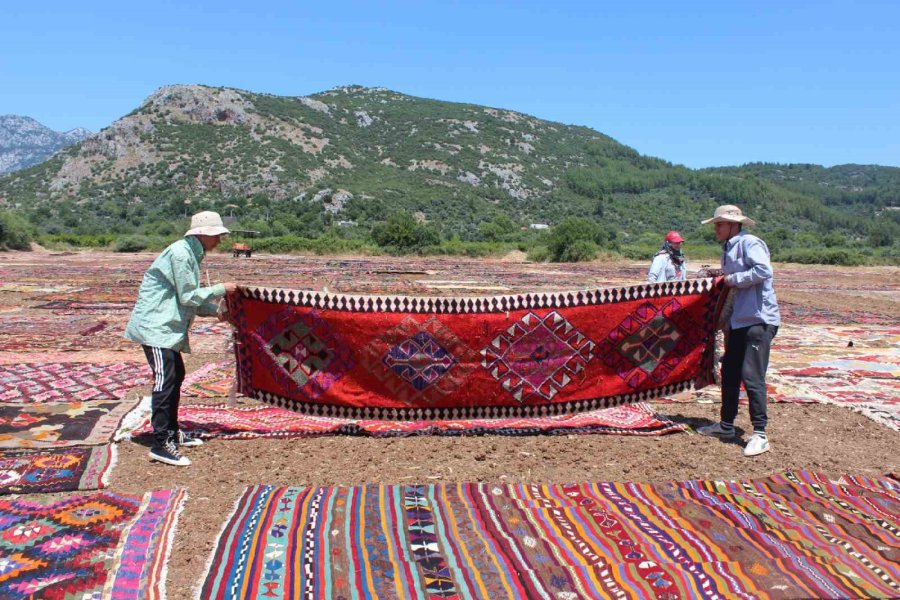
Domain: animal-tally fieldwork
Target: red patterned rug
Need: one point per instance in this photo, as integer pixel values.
(33, 382)
(424, 358)
(56, 470)
(268, 421)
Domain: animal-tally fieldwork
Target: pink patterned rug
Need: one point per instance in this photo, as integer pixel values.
(268, 421)
(66, 381)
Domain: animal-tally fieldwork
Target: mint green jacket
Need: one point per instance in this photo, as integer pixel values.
(170, 297)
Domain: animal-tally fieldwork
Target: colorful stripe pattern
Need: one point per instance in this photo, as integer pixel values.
(797, 535)
(422, 358)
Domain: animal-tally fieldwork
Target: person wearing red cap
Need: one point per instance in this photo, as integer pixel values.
(668, 263)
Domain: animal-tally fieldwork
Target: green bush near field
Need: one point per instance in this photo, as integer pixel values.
(16, 233)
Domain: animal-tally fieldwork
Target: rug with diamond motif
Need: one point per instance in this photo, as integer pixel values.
(102, 546)
(422, 358)
(268, 421)
(45, 382)
(797, 535)
(56, 469)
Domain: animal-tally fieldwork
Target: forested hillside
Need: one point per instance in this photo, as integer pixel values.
(370, 169)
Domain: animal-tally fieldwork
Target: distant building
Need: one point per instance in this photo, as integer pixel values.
(538, 226)
(346, 223)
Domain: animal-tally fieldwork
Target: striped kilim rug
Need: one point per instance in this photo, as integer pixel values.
(797, 535)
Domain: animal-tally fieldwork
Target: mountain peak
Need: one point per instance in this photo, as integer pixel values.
(25, 142)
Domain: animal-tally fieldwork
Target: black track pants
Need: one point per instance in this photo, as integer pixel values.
(168, 373)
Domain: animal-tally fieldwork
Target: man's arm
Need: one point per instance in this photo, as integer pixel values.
(757, 256)
(187, 286)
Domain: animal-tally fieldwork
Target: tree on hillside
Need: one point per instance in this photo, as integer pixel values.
(15, 232)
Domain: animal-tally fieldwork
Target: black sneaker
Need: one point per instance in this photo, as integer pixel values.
(170, 455)
(183, 438)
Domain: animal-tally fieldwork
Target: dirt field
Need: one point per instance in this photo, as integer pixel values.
(803, 436)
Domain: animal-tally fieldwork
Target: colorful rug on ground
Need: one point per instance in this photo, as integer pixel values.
(857, 367)
(798, 535)
(268, 421)
(30, 332)
(421, 358)
(57, 424)
(212, 380)
(30, 382)
(56, 470)
(102, 546)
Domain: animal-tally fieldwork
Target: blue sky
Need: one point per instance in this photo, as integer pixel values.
(696, 83)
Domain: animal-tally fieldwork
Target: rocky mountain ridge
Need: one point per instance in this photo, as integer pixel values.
(25, 142)
(355, 155)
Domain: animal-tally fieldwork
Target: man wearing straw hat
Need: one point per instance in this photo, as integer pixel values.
(169, 298)
(752, 326)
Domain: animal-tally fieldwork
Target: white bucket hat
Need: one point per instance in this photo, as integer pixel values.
(729, 213)
(207, 223)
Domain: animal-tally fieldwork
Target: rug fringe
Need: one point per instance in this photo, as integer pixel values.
(179, 502)
(198, 587)
(133, 419)
(113, 459)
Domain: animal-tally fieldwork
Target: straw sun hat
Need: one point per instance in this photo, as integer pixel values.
(207, 223)
(729, 213)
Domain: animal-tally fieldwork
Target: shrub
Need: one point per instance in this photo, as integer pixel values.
(131, 243)
(821, 256)
(15, 232)
(575, 239)
(539, 254)
(403, 232)
(579, 251)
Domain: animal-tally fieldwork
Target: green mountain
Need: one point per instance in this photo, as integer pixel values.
(355, 156)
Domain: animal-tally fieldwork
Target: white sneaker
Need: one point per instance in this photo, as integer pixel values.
(183, 438)
(716, 430)
(170, 455)
(757, 445)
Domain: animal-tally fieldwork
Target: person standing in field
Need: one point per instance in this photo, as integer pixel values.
(169, 298)
(753, 324)
(668, 263)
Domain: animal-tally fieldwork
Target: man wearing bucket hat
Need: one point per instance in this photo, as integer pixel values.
(752, 326)
(668, 263)
(169, 298)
